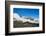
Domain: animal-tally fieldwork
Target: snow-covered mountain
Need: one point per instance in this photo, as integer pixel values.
(18, 18)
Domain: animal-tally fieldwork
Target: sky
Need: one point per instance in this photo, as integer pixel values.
(27, 12)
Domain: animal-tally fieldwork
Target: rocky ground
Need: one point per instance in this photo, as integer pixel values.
(18, 24)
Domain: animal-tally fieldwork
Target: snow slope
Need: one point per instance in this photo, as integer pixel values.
(18, 18)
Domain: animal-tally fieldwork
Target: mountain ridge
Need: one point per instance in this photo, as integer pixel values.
(18, 18)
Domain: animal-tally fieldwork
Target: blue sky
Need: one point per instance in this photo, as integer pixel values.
(27, 12)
